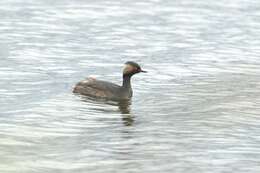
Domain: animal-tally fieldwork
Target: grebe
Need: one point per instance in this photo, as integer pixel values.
(107, 90)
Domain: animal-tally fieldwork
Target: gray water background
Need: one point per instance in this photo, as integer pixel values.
(197, 110)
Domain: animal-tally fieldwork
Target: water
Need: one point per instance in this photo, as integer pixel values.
(197, 110)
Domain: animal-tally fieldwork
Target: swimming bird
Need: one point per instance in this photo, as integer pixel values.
(107, 90)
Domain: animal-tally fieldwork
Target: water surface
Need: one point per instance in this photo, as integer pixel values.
(197, 110)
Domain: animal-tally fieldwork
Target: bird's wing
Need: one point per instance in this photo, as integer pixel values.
(98, 85)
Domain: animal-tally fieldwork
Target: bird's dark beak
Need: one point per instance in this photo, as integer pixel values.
(143, 71)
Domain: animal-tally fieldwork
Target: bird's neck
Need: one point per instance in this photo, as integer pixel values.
(127, 82)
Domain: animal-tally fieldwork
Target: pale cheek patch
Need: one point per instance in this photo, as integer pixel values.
(128, 69)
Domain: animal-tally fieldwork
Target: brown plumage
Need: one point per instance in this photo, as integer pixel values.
(107, 90)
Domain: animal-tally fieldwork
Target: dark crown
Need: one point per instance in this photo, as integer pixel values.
(134, 64)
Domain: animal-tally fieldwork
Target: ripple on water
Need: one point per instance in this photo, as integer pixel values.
(196, 109)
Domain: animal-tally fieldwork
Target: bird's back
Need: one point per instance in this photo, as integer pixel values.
(98, 88)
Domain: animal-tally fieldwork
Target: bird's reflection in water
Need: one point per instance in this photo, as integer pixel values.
(125, 109)
(123, 106)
